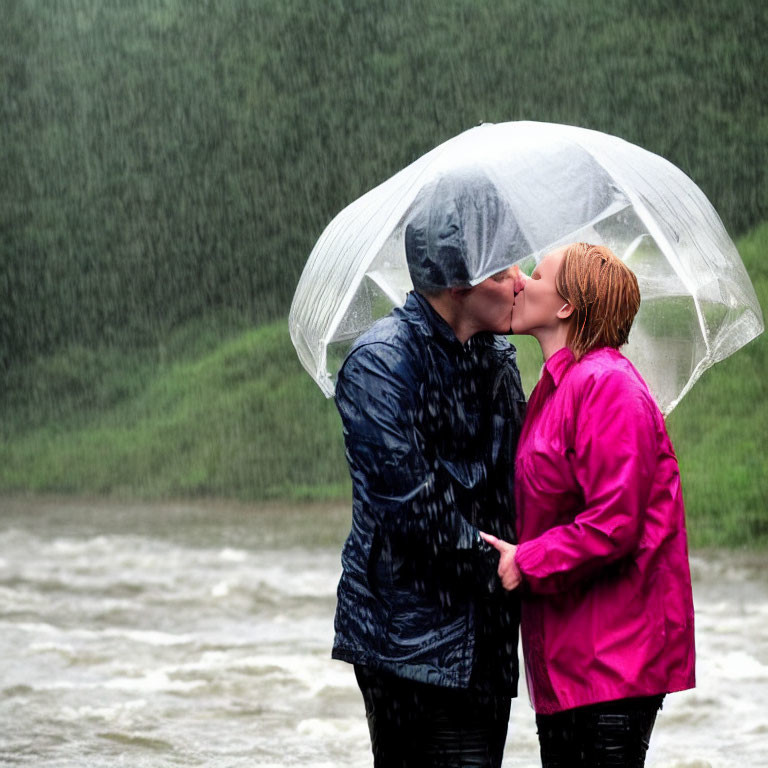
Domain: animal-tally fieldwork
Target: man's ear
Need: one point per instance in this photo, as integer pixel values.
(566, 311)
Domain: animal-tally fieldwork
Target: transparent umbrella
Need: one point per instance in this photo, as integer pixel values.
(562, 184)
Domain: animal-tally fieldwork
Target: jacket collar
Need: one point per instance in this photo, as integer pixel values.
(430, 322)
(558, 364)
(422, 315)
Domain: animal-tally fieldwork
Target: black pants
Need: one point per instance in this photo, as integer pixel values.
(414, 725)
(607, 735)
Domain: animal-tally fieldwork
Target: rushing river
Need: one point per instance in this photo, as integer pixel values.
(199, 635)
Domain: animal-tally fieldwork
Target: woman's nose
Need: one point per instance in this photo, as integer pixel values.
(520, 280)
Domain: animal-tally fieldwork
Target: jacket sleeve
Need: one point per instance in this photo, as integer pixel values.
(613, 460)
(378, 399)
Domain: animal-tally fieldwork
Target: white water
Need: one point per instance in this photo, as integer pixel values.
(199, 635)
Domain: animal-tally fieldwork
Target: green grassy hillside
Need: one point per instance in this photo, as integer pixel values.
(720, 428)
(240, 418)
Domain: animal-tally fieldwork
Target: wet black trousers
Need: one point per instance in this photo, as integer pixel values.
(414, 725)
(607, 735)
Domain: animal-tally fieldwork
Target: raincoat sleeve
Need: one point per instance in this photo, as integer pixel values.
(613, 459)
(377, 398)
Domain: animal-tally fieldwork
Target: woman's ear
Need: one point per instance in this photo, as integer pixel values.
(565, 311)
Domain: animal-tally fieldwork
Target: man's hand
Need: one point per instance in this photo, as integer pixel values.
(508, 571)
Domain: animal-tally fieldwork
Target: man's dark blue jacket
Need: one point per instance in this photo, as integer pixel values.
(430, 427)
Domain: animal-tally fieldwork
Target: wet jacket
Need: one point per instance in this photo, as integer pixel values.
(430, 428)
(607, 605)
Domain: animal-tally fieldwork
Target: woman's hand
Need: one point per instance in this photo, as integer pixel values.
(508, 571)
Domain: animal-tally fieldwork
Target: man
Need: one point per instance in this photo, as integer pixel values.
(431, 403)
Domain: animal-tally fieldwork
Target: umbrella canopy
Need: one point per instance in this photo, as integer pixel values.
(540, 185)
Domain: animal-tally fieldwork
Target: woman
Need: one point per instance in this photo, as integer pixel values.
(602, 561)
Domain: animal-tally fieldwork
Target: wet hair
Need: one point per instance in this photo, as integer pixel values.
(604, 294)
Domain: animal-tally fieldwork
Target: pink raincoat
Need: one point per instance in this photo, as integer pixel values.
(607, 605)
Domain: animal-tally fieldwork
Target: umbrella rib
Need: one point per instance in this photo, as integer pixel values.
(653, 229)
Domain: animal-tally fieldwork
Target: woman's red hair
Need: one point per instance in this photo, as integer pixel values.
(604, 294)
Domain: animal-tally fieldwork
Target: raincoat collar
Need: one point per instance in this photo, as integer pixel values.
(433, 323)
(558, 364)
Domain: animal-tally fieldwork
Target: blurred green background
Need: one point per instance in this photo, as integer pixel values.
(167, 165)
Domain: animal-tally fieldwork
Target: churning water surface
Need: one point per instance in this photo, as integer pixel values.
(200, 634)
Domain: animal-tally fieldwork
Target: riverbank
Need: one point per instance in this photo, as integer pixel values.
(281, 524)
